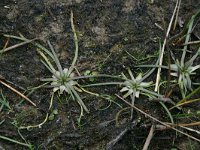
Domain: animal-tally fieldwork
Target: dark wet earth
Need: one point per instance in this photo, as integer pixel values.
(110, 34)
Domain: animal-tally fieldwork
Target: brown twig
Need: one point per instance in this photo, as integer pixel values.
(17, 92)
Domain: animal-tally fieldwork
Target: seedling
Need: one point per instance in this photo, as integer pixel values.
(184, 71)
(4, 103)
(136, 86)
(62, 79)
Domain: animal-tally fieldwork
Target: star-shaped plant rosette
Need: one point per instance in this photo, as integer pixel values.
(63, 80)
(134, 86)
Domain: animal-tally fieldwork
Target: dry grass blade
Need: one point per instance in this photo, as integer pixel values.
(168, 125)
(187, 124)
(191, 130)
(6, 43)
(177, 12)
(190, 43)
(17, 92)
(17, 45)
(181, 125)
(148, 140)
(163, 48)
(118, 114)
(184, 103)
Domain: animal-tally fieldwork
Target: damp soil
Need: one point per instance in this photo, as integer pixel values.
(113, 35)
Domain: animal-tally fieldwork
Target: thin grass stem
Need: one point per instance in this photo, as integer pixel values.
(79, 99)
(106, 83)
(187, 40)
(168, 112)
(75, 40)
(15, 141)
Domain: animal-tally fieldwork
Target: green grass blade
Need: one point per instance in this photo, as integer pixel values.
(153, 69)
(14, 141)
(190, 24)
(96, 76)
(168, 112)
(189, 95)
(47, 61)
(79, 99)
(150, 92)
(55, 58)
(105, 83)
(36, 44)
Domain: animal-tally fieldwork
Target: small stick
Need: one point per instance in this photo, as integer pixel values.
(17, 92)
(148, 140)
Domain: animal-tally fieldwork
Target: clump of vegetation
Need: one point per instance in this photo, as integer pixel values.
(4, 103)
(62, 79)
(136, 86)
(182, 69)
